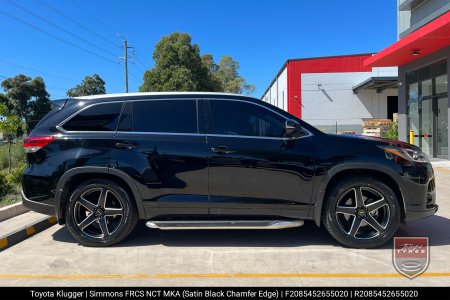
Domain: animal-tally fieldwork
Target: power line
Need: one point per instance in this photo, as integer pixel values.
(43, 3)
(142, 63)
(54, 36)
(36, 70)
(97, 18)
(59, 27)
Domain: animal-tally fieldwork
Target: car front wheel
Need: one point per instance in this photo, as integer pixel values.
(361, 212)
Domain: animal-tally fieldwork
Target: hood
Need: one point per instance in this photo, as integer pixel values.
(377, 140)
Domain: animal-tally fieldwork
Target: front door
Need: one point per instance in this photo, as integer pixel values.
(253, 168)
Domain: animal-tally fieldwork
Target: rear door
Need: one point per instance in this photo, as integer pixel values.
(159, 145)
(253, 169)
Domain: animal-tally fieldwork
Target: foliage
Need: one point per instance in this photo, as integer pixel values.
(230, 79)
(10, 182)
(9, 126)
(392, 132)
(179, 67)
(26, 98)
(5, 187)
(91, 85)
(18, 156)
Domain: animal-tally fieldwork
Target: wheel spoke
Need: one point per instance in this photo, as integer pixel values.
(355, 226)
(376, 205)
(346, 210)
(88, 205)
(104, 227)
(87, 221)
(113, 211)
(102, 198)
(358, 197)
(374, 223)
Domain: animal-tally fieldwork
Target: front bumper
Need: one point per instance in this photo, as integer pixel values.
(412, 215)
(40, 207)
(419, 191)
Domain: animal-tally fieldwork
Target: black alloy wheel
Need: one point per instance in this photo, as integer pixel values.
(100, 213)
(361, 212)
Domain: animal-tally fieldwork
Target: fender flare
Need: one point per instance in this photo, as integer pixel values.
(320, 195)
(95, 170)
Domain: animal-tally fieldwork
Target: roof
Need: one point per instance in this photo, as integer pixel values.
(424, 41)
(377, 83)
(147, 94)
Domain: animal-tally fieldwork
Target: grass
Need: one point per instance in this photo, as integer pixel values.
(10, 183)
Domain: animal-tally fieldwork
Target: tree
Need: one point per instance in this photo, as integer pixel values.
(178, 67)
(9, 126)
(91, 85)
(26, 98)
(214, 79)
(230, 79)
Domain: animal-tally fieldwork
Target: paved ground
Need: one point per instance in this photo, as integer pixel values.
(305, 256)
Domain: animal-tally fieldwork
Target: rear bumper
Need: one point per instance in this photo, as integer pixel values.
(40, 207)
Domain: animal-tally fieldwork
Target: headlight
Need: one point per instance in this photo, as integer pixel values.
(407, 154)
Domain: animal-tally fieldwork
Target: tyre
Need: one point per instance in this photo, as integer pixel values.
(361, 212)
(100, 213)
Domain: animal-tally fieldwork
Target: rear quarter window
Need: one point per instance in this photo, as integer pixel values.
(100, 117)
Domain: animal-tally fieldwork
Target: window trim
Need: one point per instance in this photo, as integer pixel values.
(61, 124)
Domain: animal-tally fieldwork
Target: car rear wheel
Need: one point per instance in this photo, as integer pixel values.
(100, 213)
(361, 212)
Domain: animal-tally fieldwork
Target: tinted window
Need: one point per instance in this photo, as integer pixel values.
(174, 116)
(241, 118)
(125, 121)
(101, 117)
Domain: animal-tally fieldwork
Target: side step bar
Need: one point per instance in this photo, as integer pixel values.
(211, 224)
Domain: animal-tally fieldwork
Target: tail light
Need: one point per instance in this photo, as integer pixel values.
(33, 144)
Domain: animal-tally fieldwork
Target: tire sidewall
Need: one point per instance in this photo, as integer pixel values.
(335, 230)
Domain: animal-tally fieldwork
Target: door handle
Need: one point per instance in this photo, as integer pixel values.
(222, 150)
(126, 145)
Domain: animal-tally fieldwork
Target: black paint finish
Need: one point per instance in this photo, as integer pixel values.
(209, 175)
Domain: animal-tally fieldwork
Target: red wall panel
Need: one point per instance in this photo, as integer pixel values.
(335, 64)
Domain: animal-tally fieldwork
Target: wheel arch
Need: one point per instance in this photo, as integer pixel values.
(387, 176)
(76, 176)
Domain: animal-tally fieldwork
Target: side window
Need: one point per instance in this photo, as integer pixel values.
(241, 118)
(174, 116)
(101, 117)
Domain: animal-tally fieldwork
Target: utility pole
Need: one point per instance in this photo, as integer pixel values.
(125, 59)
(125, 48)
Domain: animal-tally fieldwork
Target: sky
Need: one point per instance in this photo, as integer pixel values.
(65, 40)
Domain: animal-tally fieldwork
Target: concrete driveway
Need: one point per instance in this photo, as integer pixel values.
(305, 256)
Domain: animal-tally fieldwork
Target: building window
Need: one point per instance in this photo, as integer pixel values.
(427, 101)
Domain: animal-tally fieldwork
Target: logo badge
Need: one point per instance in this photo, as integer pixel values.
(411, 255)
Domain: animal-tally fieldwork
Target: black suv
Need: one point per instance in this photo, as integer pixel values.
(210, 160)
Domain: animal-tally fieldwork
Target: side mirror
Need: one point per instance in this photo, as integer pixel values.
(292, 128)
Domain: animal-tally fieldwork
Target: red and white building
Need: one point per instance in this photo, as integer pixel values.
(334, 93)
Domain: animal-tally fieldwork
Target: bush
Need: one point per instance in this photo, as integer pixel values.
(15, 177)
(392, 132)
(5, 186)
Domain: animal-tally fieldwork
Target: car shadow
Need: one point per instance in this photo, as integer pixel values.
(308, 234)
(435, 227)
